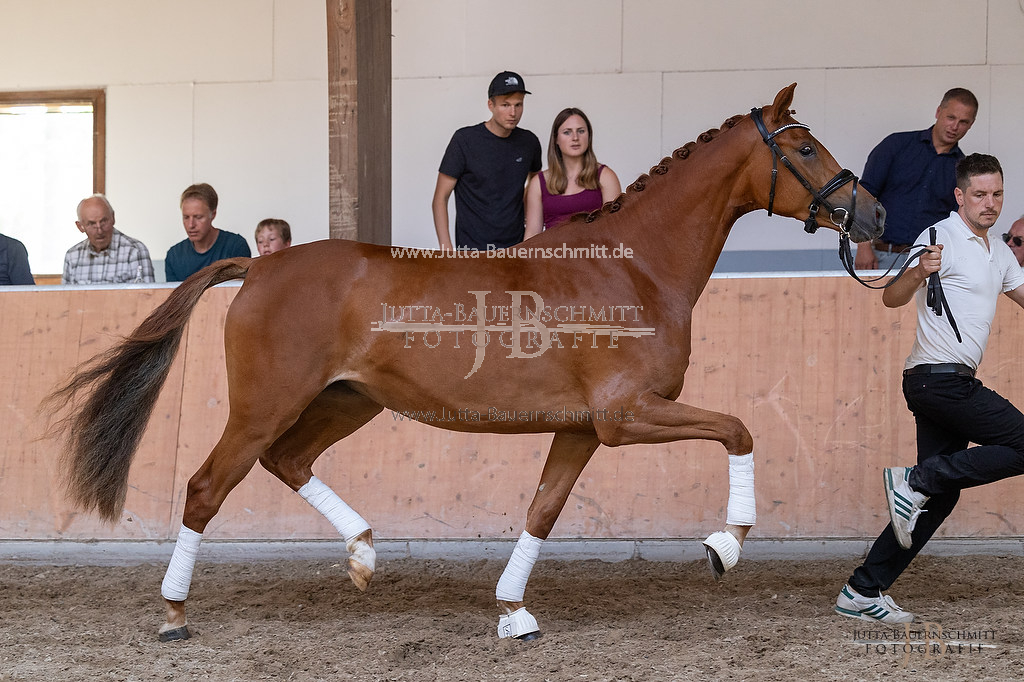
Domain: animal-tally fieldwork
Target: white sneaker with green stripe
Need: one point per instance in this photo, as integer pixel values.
(904, 504)
(880, 609)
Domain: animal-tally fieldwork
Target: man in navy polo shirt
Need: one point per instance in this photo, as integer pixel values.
(14, 268)
(913, 174)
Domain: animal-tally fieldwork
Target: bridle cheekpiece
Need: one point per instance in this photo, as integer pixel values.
(839, 216)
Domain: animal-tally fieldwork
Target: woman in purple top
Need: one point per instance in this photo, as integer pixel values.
(574, 181)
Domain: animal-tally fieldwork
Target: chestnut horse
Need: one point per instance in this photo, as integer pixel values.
(321, 337)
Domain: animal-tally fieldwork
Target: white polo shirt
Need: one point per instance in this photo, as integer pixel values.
(973, 275)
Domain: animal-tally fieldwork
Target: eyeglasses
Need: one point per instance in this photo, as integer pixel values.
(1017, 241)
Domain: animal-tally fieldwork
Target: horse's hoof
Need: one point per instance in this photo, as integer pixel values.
(360, 574)
(175, 634)
(715, 564)
(363, 560)
(519, 624)
(723, 550)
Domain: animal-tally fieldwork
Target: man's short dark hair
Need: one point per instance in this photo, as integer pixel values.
(202, 191)
(975, 164)
(962, 95)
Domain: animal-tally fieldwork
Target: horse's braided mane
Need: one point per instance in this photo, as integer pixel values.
(642, 182)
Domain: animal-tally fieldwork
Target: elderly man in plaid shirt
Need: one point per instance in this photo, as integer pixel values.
(106, 255)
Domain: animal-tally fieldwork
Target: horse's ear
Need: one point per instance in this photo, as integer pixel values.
(780, 107)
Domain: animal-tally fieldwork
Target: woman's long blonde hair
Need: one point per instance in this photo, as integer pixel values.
(557, 180)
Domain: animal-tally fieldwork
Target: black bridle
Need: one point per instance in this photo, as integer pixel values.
(839, 216)
(842, 218)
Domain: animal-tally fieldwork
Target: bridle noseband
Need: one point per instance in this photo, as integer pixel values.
(839, 216)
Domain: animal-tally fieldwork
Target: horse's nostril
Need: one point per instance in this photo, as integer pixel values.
(879, 214)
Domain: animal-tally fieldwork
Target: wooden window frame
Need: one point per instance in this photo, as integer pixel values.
(97, 98)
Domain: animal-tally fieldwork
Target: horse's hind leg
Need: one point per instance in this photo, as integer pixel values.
(659, 420)
(569, 453)
(289, 456)
(245, 438)
(333, 415)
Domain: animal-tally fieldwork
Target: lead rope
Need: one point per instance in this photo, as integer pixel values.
(935, 299)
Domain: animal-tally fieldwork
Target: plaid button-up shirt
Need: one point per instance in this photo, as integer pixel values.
(126, 260)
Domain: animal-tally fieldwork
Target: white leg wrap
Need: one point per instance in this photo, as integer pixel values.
(349, 524)
(179, 572)
(741, 511)
(512, 584)
(516, 624)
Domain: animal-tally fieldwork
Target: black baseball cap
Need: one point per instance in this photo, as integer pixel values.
(506, 83)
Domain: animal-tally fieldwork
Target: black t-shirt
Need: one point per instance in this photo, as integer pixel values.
(491, 172)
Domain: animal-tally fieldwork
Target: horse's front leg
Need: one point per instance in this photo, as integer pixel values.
(658, 420)
(723, 547)
(569, 453)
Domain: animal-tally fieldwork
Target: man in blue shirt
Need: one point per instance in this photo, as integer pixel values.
(14, 268)
(205, 243)
(913, 174)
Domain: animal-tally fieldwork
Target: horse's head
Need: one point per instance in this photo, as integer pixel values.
(812, 186)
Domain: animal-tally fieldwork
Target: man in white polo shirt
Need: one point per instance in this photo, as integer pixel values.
(951, 407)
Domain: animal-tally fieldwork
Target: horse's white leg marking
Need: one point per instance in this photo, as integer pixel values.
(512, 587)
(178, 578)
(350, 525)
(724, 546)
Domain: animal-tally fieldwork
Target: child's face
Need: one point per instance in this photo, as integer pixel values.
(269, 240)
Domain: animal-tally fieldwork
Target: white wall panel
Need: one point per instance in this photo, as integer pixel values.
(56, 43)
(425, 113)
(1006, 32)
(1007, 142)
(263, 146)
(544, 37)
(429, 38)
(712, 35)
(149, 161)
(300, 40)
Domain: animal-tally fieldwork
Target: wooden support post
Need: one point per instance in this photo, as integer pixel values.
(359, 96)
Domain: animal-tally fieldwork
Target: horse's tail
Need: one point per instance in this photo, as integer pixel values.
(102, 435)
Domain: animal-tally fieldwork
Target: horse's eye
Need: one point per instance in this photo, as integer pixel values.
(806, 150)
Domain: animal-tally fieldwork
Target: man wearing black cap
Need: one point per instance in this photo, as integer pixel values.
(488, 165)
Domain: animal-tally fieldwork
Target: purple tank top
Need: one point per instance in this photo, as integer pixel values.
(558, 208)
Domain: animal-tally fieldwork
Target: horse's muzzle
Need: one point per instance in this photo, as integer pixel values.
(866, 230)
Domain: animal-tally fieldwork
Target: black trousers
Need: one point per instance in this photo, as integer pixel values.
(951, 411)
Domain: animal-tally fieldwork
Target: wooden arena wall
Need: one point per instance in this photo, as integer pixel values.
(811, 365)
